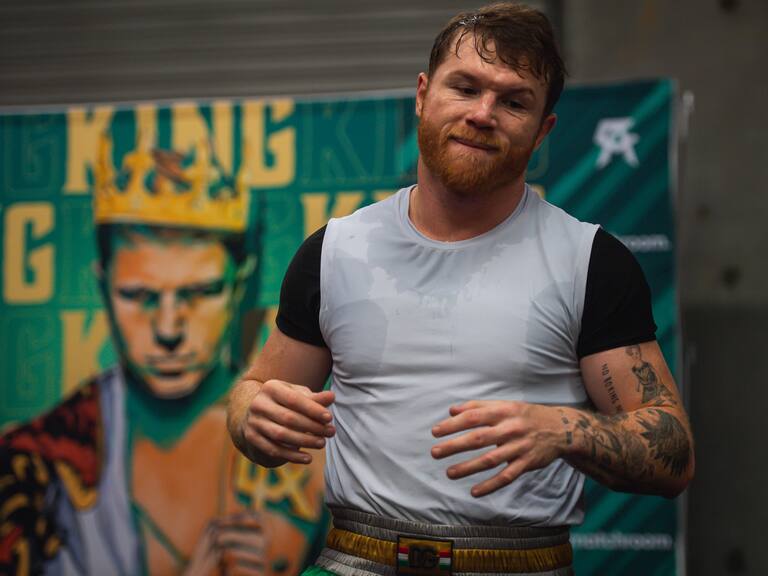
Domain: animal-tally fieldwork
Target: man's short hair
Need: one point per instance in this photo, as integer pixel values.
(107, 234)
(518, 35)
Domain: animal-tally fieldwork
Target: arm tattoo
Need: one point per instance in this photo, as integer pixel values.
(617, 454)
(611, 389)
(667, 441)
(613, 446)
(647, 379)
(568, 432)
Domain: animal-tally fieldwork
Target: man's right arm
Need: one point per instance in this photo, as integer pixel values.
(278, 408)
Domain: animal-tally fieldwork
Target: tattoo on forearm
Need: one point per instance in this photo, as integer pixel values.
(647, 379)
(611, 389)
(618, 452)
(613, 447)
(667, 441)
(568, 432)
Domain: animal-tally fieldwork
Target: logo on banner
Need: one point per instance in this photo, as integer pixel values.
(614, 138)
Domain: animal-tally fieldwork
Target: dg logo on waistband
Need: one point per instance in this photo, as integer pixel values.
(423, 556)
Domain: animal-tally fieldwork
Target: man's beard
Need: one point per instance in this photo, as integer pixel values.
(470, 173)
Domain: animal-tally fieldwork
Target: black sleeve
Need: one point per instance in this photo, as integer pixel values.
(617, 304)
(299, 314)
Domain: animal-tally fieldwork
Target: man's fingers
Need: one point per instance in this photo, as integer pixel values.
(487, 461)
(325, 398)
(293, 420)
(285, 436)
(283, 418)
(241, 538)
(295, 408)
(471, 418)
(241, 543)
(236, 561)
(275, 450)
(245, 520)
(503, 478)
(473, 440)
(457, 409)
(291, 398)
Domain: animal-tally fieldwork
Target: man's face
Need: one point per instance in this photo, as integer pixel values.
(479, 121)
(172, 300)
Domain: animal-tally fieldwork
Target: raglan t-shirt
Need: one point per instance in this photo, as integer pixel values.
(415, 325)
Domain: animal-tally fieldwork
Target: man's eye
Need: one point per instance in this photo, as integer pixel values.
(140, 295)
(131, 293)
(514, 104)
(202, 290)
(466, 90)
(213, 288)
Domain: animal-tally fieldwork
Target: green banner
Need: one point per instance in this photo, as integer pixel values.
(608, 162)
(82, 196)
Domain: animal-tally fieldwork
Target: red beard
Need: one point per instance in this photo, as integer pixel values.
(470, 173)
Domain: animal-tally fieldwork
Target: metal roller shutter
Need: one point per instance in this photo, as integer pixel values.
(60, 52)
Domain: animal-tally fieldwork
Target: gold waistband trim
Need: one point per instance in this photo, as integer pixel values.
(464, 559)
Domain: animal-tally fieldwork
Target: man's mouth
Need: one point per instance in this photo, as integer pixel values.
(168, 373)
(171, 366)
(479, 145)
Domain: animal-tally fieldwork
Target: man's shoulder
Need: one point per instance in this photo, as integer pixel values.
(69, 436)
(374, 212)
(557, 227)
(62, 447)
(551, 210)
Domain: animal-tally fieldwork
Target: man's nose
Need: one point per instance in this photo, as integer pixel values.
(482, 114)
(169, 322)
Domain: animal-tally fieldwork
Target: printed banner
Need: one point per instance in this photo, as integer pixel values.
(608, 162)
(143, 250)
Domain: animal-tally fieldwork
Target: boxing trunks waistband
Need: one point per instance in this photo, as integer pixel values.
(362, 544)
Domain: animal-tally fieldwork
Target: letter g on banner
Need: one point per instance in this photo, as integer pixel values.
(27, 271)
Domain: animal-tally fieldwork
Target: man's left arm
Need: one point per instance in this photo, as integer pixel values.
(637, 440)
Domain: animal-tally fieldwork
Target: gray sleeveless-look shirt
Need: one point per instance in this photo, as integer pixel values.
(416, 325)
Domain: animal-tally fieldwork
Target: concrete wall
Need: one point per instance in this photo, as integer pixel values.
(718, 50)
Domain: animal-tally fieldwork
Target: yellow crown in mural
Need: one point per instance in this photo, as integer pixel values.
(166, 188)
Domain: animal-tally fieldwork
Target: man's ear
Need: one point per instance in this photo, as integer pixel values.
(546, 127)
(103, 285)
(101, 277)
(421, 92)
(245, 270)
(97, 270)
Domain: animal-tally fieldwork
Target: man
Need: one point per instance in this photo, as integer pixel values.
(134, 473)
(482, 343)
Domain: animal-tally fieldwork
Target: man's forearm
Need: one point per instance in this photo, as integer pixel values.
(645, 450)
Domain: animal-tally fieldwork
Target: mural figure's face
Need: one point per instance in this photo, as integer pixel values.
(172, 298)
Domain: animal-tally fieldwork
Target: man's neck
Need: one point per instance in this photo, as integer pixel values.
(444, 215)
(165, 420)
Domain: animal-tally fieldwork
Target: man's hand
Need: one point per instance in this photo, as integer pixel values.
(232, 545)
(284, 418)
(639, 439)
(278, 407)
(525, 436)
